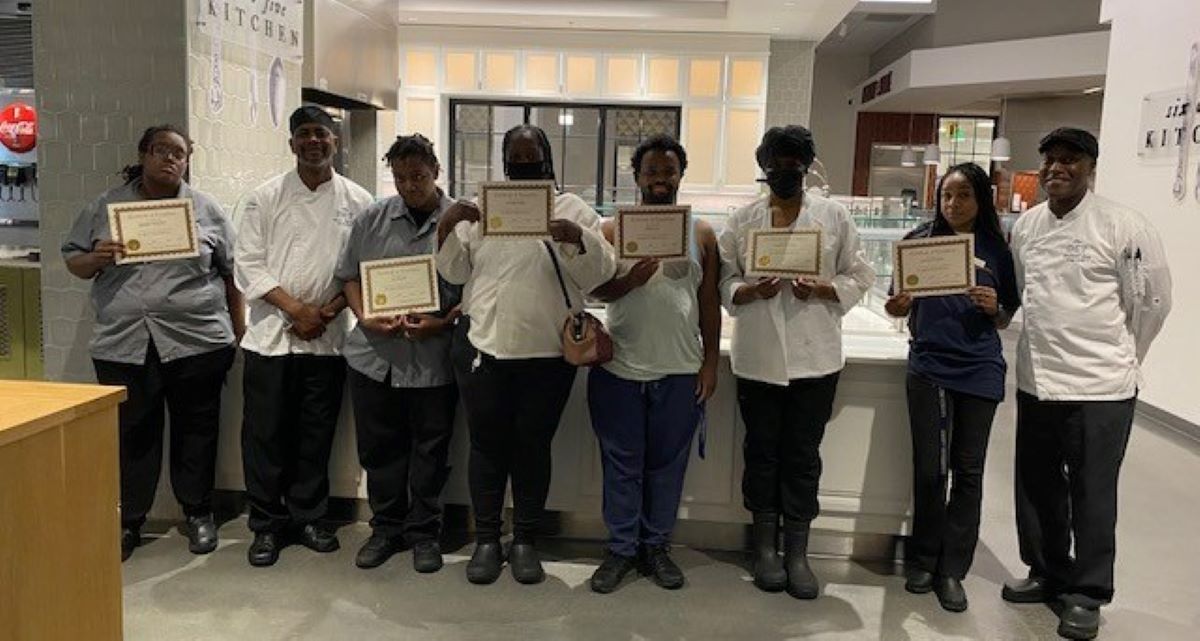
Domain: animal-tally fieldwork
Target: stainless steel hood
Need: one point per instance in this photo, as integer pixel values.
(351, 53)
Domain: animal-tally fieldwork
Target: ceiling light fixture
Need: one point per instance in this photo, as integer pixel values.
(1094, 90)
(1002, 147)
(932, 154)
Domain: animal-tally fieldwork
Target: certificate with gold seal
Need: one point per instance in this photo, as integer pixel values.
(154, 230)
(395, 286)
(784, 253)
(938, 266)
(653, 231)
(517, 208)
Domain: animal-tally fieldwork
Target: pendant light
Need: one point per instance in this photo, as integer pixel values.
(908, 157)
(1001, 147)
(933, 154)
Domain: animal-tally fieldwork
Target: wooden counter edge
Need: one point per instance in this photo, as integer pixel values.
(64, 402)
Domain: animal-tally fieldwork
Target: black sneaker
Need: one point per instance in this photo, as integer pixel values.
(608, 576)
(378, 549)
(131, 537)
(427, 557)
(201, 533)
(657, 565)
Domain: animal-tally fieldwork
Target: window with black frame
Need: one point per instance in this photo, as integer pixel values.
(592, 144)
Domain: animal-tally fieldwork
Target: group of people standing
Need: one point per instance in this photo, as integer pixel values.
(1090, 274)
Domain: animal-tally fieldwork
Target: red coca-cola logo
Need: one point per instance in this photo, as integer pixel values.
(18, 127)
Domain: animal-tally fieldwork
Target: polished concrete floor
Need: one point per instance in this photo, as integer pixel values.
(172, 595)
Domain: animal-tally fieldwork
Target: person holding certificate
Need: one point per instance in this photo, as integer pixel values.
(163, 330)
(291, 232)
(1096, 289)
(401, 382)
(955, 382)
(507, 350)
(665, 322)
(787, 348)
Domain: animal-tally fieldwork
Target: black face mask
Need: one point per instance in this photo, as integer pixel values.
(784, 183)
(525, 170)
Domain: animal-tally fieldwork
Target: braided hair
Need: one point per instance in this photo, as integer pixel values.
(542, 141)
(134, 171)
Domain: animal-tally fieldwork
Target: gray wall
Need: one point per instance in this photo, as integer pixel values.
(1027, 120)
(833, 120)
(961, 22)
(790, 83)
(103, 72)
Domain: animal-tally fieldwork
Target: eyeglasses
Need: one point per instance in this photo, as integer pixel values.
(169, 153)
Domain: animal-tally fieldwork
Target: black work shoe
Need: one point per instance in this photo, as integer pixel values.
(918, 581)
(657, 564)
(1078, 622)
(317, 538)
(769, 574)
(486, 563)
(1030, 590)
(131, 537)
(950, 593)
(264, 550)
(608, 576)
(525, 564)
(427, 557)
(377, 550)
(201, 533)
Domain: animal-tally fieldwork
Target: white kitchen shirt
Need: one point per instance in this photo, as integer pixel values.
(785, 338)
(1096, 289)
(290, 236)
(511, 292)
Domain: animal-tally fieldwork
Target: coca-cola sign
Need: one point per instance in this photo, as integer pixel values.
(18, 127)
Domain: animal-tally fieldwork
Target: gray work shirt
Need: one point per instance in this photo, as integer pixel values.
(388, 230)
(180, 303)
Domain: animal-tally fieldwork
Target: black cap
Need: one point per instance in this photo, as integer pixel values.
(309, 114)
(792, 140)
(1071, 137)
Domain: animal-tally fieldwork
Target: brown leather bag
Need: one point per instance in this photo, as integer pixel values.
(585, 342)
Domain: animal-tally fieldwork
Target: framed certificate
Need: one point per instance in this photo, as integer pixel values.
(517, 209)
(154, 230)
(395, 286)
(784, 253)
(653, 231)
(934, 266)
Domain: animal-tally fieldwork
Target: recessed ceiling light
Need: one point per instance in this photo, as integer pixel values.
(774, 28)
(1093, 90)
(411, 19)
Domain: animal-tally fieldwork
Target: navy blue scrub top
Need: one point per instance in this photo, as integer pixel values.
(955, 345)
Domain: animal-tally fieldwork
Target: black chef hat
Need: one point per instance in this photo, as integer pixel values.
(1071, 137)
(792, 140)
(309, 114)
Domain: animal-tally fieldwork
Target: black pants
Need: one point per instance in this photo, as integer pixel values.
(949, 441)
(403, 441)
(784, 429)
(513, 408)
(1068, 459)
(290, 414)
(191, 389)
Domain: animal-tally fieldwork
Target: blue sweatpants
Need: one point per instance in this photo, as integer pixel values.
(645, 432)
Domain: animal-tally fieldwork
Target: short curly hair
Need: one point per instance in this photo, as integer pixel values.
(659, 142)
(414, 146)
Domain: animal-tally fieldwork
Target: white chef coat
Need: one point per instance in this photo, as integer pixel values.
(511, 292)
(1096, 290)
(290, 236)
(785, 338)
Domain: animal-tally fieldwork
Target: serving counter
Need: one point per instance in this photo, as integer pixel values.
(865, 486)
